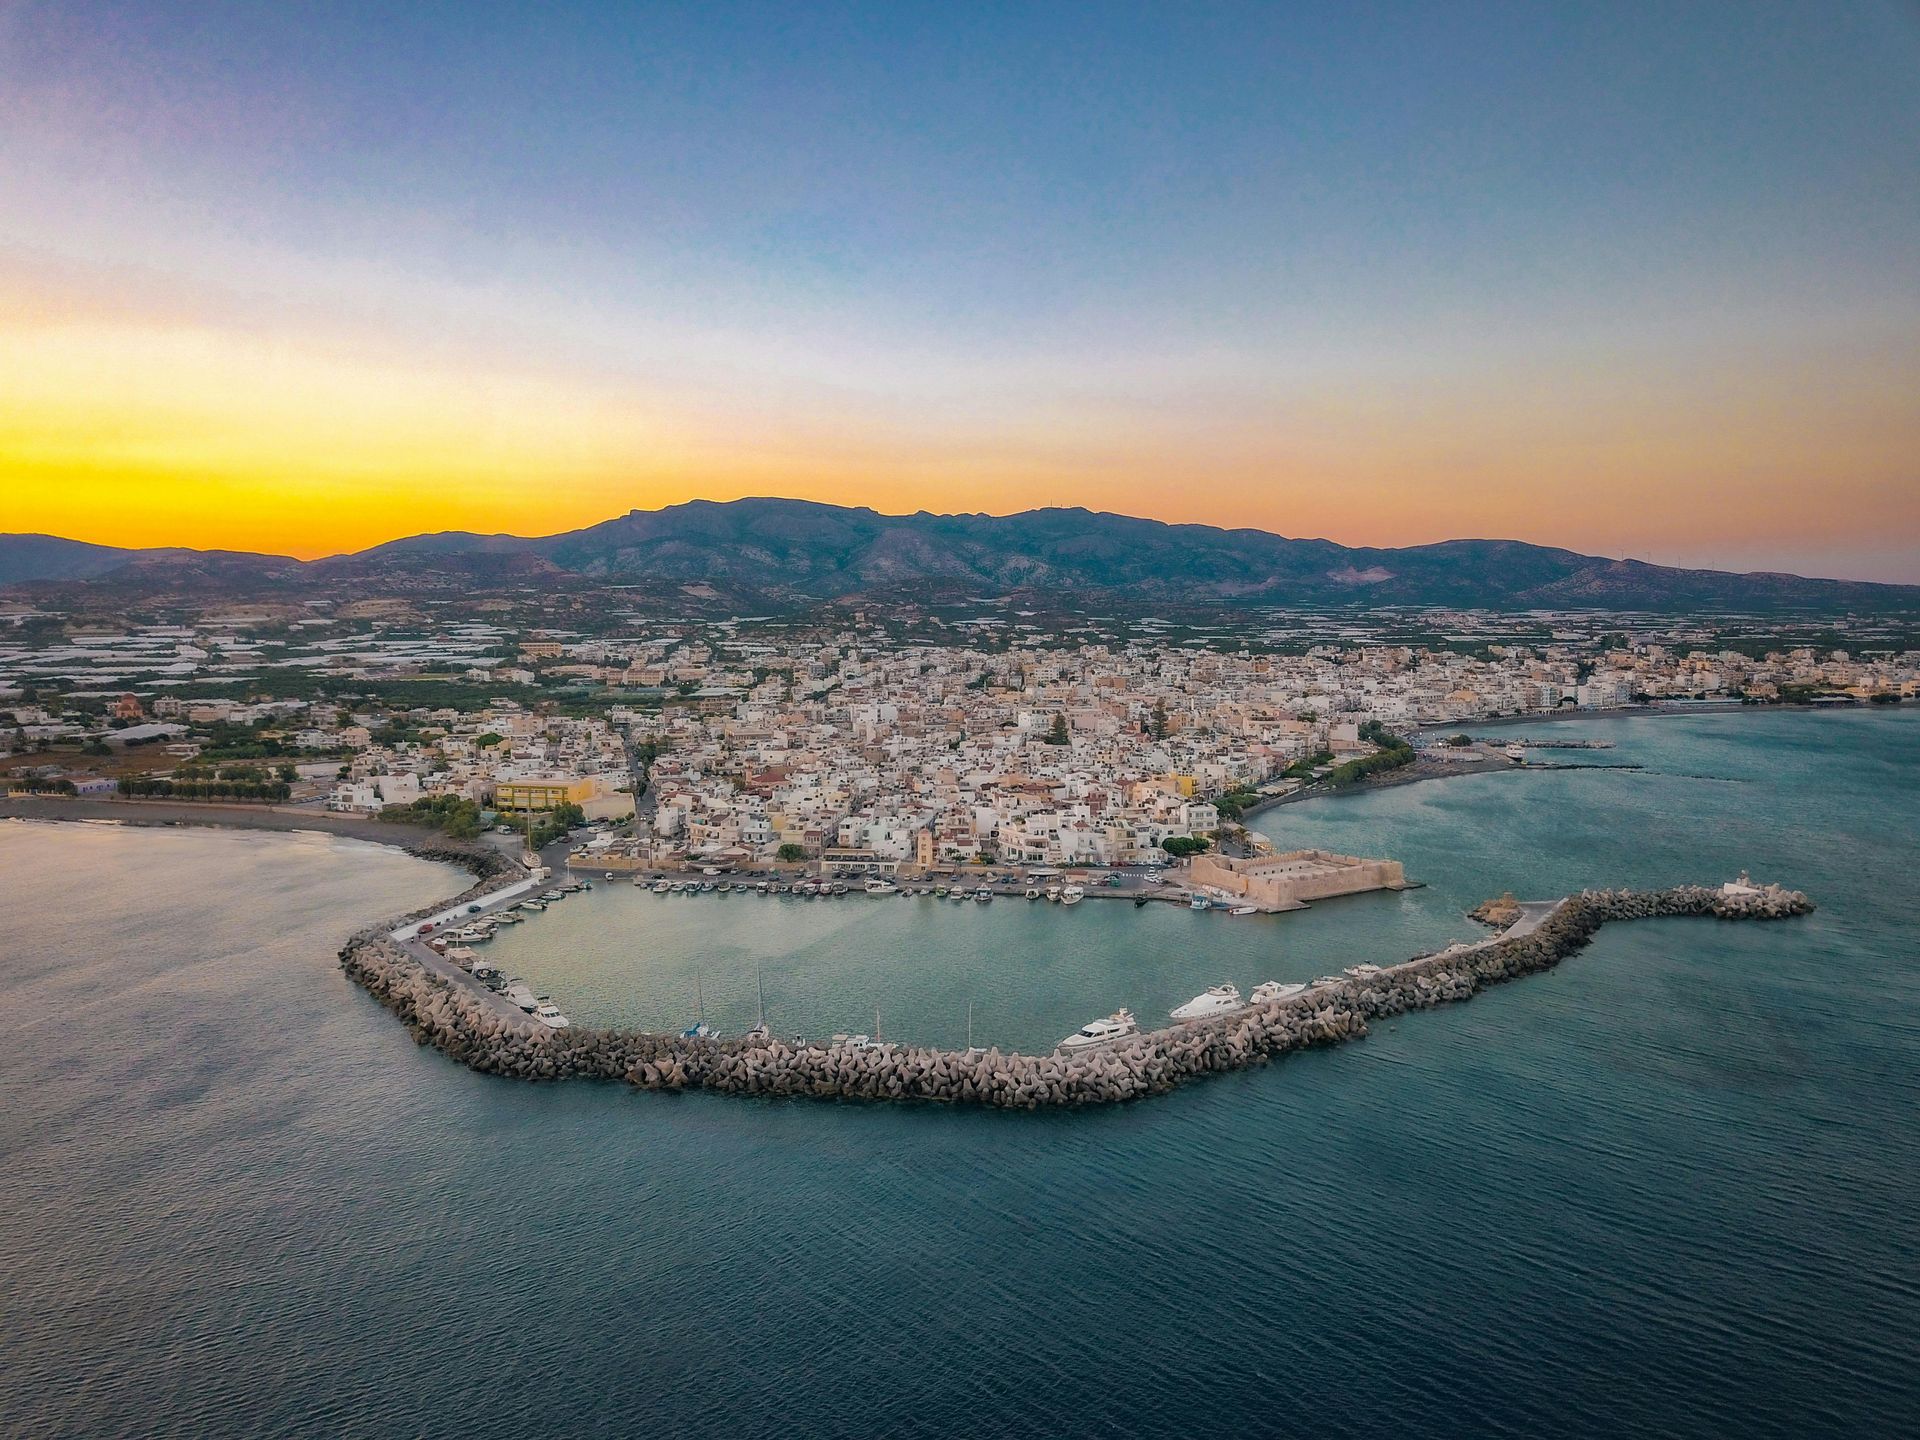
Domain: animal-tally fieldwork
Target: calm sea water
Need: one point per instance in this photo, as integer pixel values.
(1665, 1190)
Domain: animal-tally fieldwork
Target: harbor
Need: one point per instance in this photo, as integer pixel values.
(447, 1009)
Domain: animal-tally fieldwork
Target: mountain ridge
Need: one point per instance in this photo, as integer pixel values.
(799, 551)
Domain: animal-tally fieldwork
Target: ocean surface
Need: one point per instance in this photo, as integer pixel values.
(1668, 1189)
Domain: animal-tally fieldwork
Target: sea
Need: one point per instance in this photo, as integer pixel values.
(1667, 1189)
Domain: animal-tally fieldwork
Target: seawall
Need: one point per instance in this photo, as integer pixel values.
(460, 1022)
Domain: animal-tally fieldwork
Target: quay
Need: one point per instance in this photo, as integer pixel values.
(445, 1009)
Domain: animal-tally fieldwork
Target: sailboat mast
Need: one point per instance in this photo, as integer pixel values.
(760, 995)
(969, 1024)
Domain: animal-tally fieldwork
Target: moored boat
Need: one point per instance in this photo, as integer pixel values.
(1214, 1000)
(1270, 990)
(1072, 895)
(1096, 1033)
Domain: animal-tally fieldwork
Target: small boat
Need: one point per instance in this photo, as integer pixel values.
(533, 904)
(877, 886)
(660, 887)
(983, 894)
(1361, 972)
(761, 888)
(521, 994)
(699, 1030)
(723, 887)
(548, 1014)
(1096, 1033)
(1138, 901)
(1320, 980)
(1244, 910)
(1214, 1000)
(1053, 894)
(939, 892)
(1072, 895)
(1032, 893)
(1270, 990)
(1199, 902)
(552, 895)
(959, 896)
(759, 1032)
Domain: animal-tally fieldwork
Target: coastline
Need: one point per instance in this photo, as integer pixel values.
(212, 815)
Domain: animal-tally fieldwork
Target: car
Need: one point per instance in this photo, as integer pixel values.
(426, 929)
(473, 909)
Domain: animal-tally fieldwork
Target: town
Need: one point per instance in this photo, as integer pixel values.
(833, 744)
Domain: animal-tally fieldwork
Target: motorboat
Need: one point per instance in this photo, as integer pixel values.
(1361, 972)
(1032, 893)
(983, 894)
(533, 904)
(1072, 895)
(1095, 1033)
(1138, 901)
(1199, 902)
(877, 886)
(661, 887)
(548, 1014)
(1268, 991)
(1244, 910)
(1053, 894)
(1214, 1000)
(761, 888)
(521, 994)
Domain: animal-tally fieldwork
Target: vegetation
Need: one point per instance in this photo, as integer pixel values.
(145, 787)
(1182, 846)
(453, 815)
(1058, 734)
(1237, 801)
(791, 854)
(1304, 767)
(1393, 753)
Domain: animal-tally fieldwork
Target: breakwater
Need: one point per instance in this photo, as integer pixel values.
(467, 1026)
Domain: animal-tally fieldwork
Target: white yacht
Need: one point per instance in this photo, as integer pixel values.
(1053, 892)
(1199, 902)
(877, 886)
(1214, 1000)
(1244, 910)
(521, 994)
(1361, 972)
(983, 894)
(1272, 990)
(548, 1014)
(1072, 895)
(1094, 1034)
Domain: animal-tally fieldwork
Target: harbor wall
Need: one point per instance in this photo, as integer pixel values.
(455, 1019)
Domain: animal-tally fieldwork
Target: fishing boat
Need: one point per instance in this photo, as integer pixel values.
(1053, 894)
(877, 886)
(1244, 910)
(1214, 1000)
(1138, 901)
(1096, 1033)
(1072, 895)
(983, 894)
(1199, 902)
(1032, 893)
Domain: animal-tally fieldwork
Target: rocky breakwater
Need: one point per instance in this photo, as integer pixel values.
(457, 1021)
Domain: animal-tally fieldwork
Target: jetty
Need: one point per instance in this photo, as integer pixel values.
(445, 1009)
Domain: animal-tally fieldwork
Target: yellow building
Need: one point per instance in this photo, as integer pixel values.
(542, 793)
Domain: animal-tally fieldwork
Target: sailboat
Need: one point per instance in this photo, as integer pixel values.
(759, 1030)
(699, 1030)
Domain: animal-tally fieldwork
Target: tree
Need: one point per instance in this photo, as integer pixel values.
(1181, 846)
(791, 854)
(1157, 727)
(1058, 734)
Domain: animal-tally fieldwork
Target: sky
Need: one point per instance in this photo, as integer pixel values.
(1634, 278)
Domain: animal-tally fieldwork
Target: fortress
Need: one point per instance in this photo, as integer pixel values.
(1289, 881)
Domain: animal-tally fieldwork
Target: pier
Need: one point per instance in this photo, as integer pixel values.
(449, 1011)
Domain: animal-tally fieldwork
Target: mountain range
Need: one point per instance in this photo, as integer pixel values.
(774, 551)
